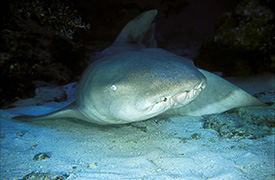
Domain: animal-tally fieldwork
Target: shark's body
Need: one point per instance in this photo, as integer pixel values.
(133, 81)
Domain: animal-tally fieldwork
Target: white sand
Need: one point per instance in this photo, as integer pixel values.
(160, 148)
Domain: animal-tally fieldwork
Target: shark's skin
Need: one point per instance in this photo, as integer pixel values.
(133, 81)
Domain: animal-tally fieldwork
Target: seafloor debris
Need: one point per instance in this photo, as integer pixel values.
(40, 157)
(43, 176)
(249, 122)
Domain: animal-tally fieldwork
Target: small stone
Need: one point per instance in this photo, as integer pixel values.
(40, 157)
(21, 133)
(33, 146)
(92, 165)
(195, 136)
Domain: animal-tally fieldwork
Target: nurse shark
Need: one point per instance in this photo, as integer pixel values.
(132, 80)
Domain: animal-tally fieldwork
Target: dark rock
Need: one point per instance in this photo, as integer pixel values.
(40, 157)
(42, 96)
(243, 42)
(34, 48)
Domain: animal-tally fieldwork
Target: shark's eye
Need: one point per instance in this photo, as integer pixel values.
(164, 99)
(113, 87)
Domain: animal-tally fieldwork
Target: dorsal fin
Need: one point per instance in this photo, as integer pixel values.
(138, 31)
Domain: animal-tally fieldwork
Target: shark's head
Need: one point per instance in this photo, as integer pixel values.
(137, 85)
(131, 83)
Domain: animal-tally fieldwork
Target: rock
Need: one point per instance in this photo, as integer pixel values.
(57, 66)
(43, 176)
(40, 157)
(243, 42)
(247, 28)
(248, 122)
(42, 96)
(259, 116)
(34, 49)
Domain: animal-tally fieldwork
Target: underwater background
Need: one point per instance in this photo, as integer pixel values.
(46, 45)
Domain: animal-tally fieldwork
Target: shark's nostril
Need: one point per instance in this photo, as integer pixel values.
(201, 85)
(198, 86)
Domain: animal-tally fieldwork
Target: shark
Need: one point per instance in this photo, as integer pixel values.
(133, 80)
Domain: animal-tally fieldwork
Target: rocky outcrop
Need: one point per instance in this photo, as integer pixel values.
(243, 42)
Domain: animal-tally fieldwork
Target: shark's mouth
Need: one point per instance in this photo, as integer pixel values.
(186, 97)
(177, 100)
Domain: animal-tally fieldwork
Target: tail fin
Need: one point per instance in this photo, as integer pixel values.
(139, 30)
